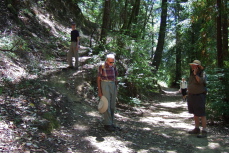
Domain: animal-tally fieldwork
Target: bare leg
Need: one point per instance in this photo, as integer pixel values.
(197, 121)
(204, 122)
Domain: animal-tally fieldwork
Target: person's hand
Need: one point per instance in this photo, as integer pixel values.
(194, 69)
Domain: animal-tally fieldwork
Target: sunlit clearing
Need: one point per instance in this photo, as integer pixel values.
(108, 145)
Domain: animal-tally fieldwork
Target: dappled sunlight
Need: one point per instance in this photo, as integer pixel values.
(108, 145)
(210, 146)
(47, 19)
(11, 70)
(61, 133)
(93, 114)
(80, 127)
(170, 114)
(123, 118)
(170, 104)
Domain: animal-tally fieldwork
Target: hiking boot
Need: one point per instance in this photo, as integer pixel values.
(116, 127)
(203, 134)
(195, 131)
(109, 128)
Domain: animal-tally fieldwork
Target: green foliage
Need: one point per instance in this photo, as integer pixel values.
(218, 98)
(135, 72)
(135, 101)
(53, 123)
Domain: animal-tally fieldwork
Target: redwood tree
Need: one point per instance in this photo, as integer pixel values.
(161, 38)
(106, 21)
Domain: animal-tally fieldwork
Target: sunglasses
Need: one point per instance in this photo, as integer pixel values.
(111, 62)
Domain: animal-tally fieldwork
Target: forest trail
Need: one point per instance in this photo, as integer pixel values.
(159, 125)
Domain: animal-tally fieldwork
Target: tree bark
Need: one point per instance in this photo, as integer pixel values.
(128, 25)
(178, 49)
(106, 21)
(225, 30)
(161, 38)
(219, 36)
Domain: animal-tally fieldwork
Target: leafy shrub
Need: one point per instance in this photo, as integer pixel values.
(136, 75)
(218, 98)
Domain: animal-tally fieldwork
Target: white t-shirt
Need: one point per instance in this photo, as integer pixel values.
(183, 85)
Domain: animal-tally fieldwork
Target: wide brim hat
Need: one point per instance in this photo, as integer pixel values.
(195, 62)
(103, 104)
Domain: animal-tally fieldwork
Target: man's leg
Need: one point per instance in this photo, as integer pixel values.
(106, 93)
(76, 55)
(69, 56)
(113, 92)
(204, 122)
(197, 121)
(204, 125)
(197, 124)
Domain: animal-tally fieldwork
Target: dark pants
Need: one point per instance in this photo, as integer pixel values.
(196, 104)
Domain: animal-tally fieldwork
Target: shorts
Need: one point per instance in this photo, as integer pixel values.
(184, 91)
(196, 104)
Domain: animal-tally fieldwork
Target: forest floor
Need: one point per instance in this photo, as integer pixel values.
(159, 125)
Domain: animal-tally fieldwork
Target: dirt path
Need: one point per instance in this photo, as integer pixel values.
(158, 126)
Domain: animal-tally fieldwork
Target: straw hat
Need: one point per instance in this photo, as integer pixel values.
(103, 104)
(195, 62)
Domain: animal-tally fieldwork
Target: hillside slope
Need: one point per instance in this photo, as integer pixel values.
(35, 32)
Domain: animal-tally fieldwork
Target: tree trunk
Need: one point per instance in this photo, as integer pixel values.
(147, 18)
(106, 21)
(128, 25)
(219, 36)
(161, 38)
(125, 14)
(225, 30)
(178, 49)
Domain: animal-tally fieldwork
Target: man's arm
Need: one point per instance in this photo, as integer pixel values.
(78, 40)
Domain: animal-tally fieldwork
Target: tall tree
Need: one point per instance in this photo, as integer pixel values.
(106, 21)
(161, 38)
(129, 23)
(219, 35)
(124, 15)
(134, 14)
(178, 44)
(225, 29)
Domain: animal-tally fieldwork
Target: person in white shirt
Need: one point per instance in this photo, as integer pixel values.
(183, 88)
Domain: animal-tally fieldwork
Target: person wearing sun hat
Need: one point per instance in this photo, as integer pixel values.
(106, 82)
(197, 97)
